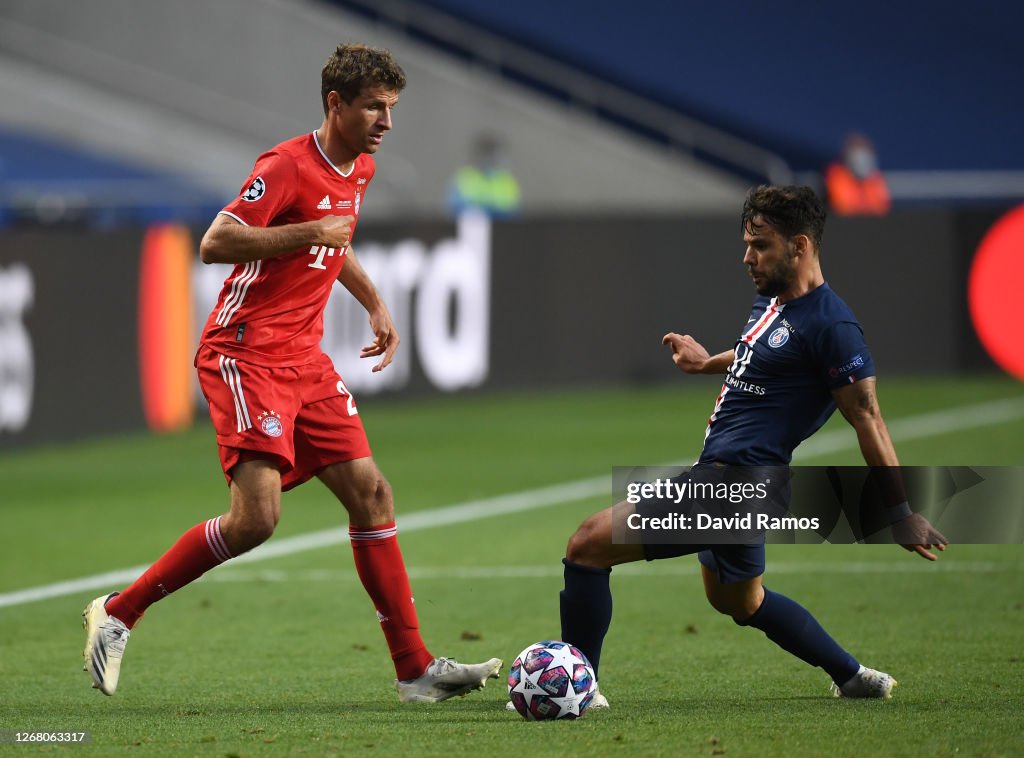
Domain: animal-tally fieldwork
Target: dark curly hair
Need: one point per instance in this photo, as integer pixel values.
(353, 67)
(791, 210)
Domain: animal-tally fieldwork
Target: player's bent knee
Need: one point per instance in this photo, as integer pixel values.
(372, 502)
(383, 497)
(363, 490)
(378, 499)
(586, 546)
(721, 605)
(738, 603)
(245, 533)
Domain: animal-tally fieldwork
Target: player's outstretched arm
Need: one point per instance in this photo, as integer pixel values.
(385, 336)
(692, 358)
(228, 241)
(858, 403)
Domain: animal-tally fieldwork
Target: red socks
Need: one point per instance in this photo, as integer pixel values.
(382, 571)
(197, 551)
(378, 561)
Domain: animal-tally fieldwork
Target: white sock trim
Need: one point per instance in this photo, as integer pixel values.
(215, 540)
(377, 534)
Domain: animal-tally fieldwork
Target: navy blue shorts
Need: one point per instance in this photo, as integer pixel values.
(734, 563)
(731, 562)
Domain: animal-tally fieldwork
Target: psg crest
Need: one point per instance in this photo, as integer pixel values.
(779, 337)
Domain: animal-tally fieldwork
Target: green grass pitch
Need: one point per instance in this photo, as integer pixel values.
(283, 657)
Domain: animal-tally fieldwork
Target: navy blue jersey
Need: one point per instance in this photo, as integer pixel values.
(777, 392)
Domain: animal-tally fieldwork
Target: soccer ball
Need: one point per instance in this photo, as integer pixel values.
(551, 680)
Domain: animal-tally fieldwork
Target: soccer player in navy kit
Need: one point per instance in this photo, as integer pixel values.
(800, 356)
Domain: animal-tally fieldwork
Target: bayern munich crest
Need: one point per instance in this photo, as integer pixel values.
(270, 423)
(779, 337)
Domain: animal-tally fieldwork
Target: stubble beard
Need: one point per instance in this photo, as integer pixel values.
(781, 278)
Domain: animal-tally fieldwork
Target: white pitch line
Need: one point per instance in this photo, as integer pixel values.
(549, 571)
(902, 430)
(931, 424)
(453, 514)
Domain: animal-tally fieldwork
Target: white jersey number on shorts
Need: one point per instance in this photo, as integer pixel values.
(352, 410)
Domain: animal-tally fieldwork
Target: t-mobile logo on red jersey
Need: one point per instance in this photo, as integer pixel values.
(321, 252)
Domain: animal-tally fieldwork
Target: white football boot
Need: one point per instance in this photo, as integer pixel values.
(105, 638)
(599, 701)
(445, 678)
(866, 683)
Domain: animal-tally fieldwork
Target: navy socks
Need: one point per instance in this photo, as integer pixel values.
(791, 626)
(586, 611)
(586, 608)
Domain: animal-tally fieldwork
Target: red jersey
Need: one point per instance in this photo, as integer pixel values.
(271, 312)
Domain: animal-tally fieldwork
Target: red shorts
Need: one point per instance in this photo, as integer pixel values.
(303, 418)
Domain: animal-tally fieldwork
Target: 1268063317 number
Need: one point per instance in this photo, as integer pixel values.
(15, 736)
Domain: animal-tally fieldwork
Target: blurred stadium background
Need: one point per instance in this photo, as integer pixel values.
(127, 125)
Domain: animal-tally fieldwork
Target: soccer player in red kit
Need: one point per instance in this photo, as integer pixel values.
(281, 412)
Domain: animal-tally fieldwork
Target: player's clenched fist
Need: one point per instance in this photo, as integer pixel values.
(687, 353)
(336, 231)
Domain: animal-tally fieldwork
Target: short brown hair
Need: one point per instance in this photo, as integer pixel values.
(353, 67)
(791, 210)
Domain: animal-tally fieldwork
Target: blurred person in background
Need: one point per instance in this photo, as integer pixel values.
(854, 183)
(485, 183)
(281, 412)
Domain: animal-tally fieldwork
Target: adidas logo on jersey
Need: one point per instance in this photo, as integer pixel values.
(325, 204)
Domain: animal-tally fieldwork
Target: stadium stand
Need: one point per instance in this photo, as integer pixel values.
(677, 107)
(935, 90)
(933, 85)
(217, 86)
(45, 182)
